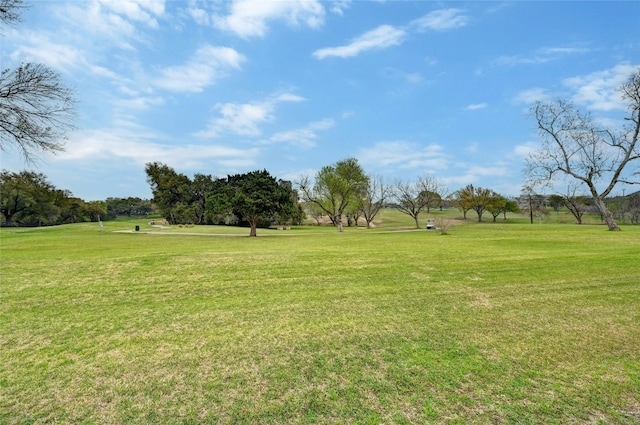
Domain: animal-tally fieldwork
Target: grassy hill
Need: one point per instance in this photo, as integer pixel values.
(502, 322)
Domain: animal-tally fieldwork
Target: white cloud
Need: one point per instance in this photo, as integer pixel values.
(305, 136)
(380, 38)
(249, 18)
(209, 64)
(402, 155)
(139, 103)
(523, 150)
(140, 146)
(440, 20)
(245, 118)
(386, 36)
(492, 171)
(542, 55)
(39, 48)
(598, 90)
(476, 106)
(137, 11)
(532, 95)
(339, 6)
(474, 173)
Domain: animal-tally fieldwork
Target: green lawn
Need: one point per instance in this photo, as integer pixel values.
(502, 322)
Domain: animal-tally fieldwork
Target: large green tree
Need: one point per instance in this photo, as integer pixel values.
(22, 193)
(171, 192)
(336, 187)
(256, 196)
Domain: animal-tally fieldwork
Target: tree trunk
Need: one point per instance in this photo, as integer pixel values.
(338, 222)
(8, 220)
(415, 217)
(606, 214)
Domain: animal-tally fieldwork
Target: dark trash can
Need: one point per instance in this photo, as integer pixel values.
(137, 228)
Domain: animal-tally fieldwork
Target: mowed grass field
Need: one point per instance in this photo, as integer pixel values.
(502, 322)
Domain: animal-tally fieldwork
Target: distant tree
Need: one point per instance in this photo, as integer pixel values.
(478, 199)
(292, 213)
(497, 205)
(463, 203)
(510, 207)
(171, 192)
(373, 199)
(314, 211)
(413, 198)
(131, 206)
(575, 203)
(36, 108)
(408, 200)
(556, 202)
(576, 146)
(336, 187)
(200, 188)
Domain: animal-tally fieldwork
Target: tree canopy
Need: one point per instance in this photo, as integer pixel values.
(255, 198)
(29, 199)
(336, 187)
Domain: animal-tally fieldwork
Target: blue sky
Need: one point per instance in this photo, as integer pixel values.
(409, 88)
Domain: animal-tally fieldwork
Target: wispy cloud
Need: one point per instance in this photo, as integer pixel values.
(140, 146)
(398, 154)
(339, 6)
(440, 20)
(476, 106)
(532, 95)
(245, 118)
(379, 38)
(249, 18)
(39, 47)
(208, 64)
(542, 55)
(524, 149)
(117, 23)
(386, 36)
(598, 90)
(144, 12)
(408, 77)
(304, 137)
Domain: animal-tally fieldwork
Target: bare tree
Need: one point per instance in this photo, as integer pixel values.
(413, 198)
(36, 108)
(576, 204)
(376, 193)
(10, 11)
(576, 146)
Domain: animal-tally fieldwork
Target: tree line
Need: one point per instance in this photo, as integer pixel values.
(29, 199)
